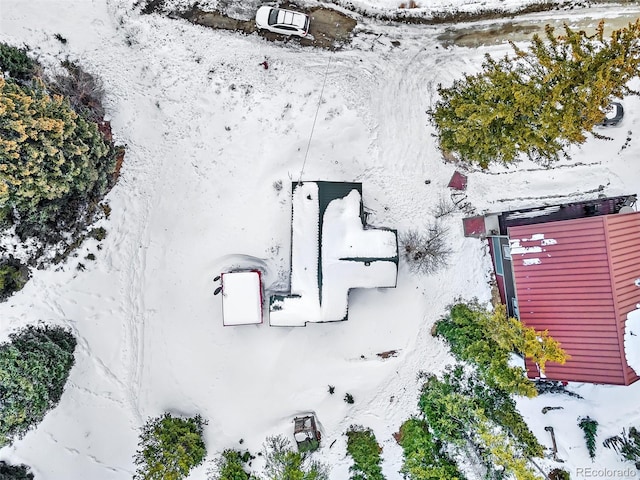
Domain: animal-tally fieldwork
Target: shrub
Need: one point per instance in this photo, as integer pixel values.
(83, 90)
(13, 276)
(426, 251)
(231, 466)
(554, 386)
(559, 474)
(169, 448)
(60, 38)
(627, 445)
(365, 452)
(348, 398)
(443, 207)
(16, 62)
(283, 463)
(14, 472)
(99, 233)
(34, 367)
(332, 389)
(590, 429)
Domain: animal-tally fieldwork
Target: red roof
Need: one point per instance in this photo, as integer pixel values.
(474, 226)
(575, 278)
(458, 181)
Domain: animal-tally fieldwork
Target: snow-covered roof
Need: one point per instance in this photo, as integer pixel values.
(332, 252)
(241, 298)
(632, 340)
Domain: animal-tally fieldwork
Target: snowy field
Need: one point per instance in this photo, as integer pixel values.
(210, 136)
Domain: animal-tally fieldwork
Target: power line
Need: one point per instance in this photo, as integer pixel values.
(315, 118)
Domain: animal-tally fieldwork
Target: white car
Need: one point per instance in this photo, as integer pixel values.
(282, 21)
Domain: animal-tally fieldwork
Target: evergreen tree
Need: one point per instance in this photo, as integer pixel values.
(14, 472)
(13, 276)
(540, 100)
(230, 466)
(283, 463)
(169, 448)
(49, 154)
(34, 367)
(590, 428)
(15, 63)
(365, 451)
(502, 453)
(460, 414)
(424, 458)
(487, 339)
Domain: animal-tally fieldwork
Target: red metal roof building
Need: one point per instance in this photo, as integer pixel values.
(575, 278)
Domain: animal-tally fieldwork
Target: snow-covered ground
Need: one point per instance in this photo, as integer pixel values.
(211, 135)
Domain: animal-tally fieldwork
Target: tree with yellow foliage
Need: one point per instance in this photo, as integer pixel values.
(540, 100)
(487, 339)
(49, 154)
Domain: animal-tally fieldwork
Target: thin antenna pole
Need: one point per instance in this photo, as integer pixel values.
(326, 72)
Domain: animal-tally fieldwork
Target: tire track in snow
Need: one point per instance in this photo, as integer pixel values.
(404, 92)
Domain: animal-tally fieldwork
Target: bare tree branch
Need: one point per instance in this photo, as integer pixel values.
(427, 251)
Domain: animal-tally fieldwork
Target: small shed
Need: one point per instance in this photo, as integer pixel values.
(306, 433)
(241, 298)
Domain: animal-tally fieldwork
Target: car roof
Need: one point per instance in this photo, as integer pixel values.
(287, 17)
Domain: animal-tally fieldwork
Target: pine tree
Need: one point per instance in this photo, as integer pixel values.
(590, 428)
(14, 472)
(487, 339)
(283, 463)
(230, 466)
(169, 448)
(470, 417)
(538, 101)
(48, 153)
(34, 367)
(423, 455)
(502, 452)
(15, 63)
(365, 452)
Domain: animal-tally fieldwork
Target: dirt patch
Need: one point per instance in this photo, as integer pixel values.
(475, 36)
(328, 28)
(523, 30)
(387, 354)
(216, 19)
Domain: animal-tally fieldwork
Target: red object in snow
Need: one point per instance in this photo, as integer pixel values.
(458, 181)
(474, 226)
(575, 278)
